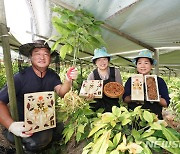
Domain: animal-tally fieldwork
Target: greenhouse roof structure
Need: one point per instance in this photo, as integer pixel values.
(129, 26)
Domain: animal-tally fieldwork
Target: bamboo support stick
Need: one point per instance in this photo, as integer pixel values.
(9, 72)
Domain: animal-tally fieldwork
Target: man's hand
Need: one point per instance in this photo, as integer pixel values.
(18, 129)
(72, 73)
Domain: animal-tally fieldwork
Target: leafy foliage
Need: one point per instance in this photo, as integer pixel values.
(122, 131)
(77, 30)
(172, 114)
(77, 122)
(174, 86)
(3, 73)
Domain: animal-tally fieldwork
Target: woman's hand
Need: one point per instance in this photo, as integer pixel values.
(127, 99)
(90, 97)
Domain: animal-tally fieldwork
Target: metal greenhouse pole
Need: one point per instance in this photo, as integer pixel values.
(9, 73)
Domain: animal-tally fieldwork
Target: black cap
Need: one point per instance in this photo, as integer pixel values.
(26, 49)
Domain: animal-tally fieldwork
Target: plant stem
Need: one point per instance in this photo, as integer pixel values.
(76, 50)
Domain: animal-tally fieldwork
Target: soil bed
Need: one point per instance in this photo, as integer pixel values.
(5, 146)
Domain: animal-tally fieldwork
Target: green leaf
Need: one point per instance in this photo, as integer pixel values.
(156, 126)
(56, 44)
(138, 111)
(71, 40)
(94, 30)
(151, 139)
(135, 134)
(89, 46)
(148, 116)
(169, 146)
(169, 134)
(100, 141)
(86, 20)
(126, 115)
(85, 151)
(83, 39)
(123, 109)
(113, 123)
(72, 26)
(98, 134)
(99, 38)
(64, 49)
(174, 132)
(114, 152)
(78, 136)
(107, 117)
(134, 148)
(60, 27)
(94, 41)
(69, 134)
(117, 138)
(64, 17)
(147, 133)
(105, 143)
(96, 128)
(88, 146)
(81, 31)
(70, 13)
(111, 145)
(81, 128)
(146, 149)
(116, 111)
(158, 134)
(97, 22)
(126, 121)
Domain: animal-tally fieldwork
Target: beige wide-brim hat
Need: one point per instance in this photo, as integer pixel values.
(26, 49)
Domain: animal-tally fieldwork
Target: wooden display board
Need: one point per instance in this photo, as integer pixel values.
(39, 111)
(92, 87)
(151, 86)
(137, 88)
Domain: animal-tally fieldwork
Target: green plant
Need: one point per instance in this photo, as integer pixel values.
(122, 131)
(77, 123)
(132, 131)
(174, 106)
(77, 30)
(3, 73)
(172, 114)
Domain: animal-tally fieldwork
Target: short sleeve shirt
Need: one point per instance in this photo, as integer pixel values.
(28, 82)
